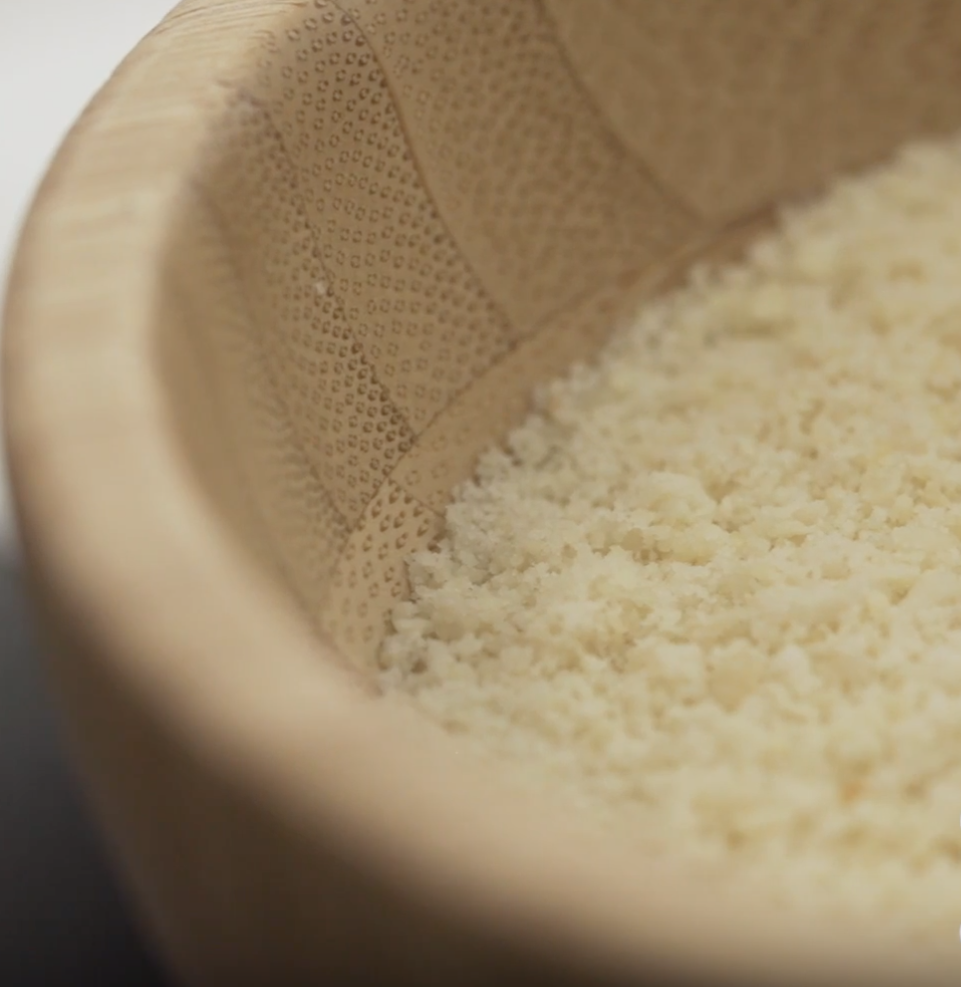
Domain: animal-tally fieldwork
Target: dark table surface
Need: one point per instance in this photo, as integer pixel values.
(62, 921)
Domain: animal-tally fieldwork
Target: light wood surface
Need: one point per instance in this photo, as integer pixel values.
(294, 268)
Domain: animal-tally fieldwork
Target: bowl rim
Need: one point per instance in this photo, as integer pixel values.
(96, 468)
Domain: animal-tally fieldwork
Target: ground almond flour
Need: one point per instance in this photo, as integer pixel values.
(712, 586)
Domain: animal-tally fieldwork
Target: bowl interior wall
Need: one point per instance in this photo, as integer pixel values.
(414, 212)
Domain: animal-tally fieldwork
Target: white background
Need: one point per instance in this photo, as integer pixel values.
(53, 56)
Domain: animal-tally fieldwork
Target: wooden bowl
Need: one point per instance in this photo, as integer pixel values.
(294, 267)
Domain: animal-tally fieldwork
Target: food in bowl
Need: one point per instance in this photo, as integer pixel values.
(711, 588)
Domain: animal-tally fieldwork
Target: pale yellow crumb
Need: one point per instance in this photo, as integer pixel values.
(712, 586)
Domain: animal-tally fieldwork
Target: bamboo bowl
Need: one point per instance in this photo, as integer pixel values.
(297, 264)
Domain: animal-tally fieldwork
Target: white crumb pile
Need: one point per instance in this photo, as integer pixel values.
(712, 586)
